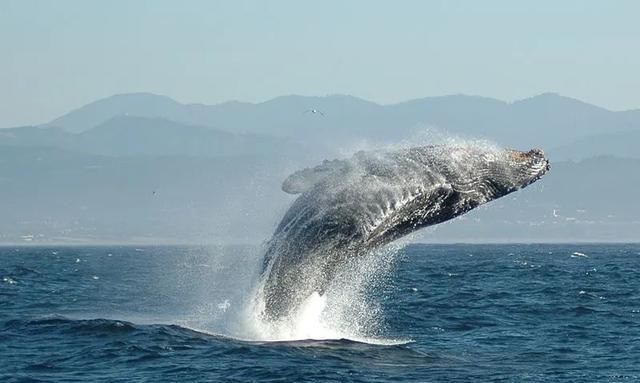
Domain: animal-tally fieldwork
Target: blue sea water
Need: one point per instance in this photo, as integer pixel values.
(447, 313)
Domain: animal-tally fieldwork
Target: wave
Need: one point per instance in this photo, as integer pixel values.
(101, 327)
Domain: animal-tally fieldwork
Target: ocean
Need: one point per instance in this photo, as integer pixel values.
(427, 313)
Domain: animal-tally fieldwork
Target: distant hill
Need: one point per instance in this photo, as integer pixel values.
(617, 144)
(548, 120)
(131, 104)
(130, 136)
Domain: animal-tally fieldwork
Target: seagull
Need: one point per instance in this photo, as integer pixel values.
(314, 111)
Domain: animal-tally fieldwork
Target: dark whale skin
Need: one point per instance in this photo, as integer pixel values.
(347, 208)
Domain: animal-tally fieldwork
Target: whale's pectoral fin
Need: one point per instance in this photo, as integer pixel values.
(305, 179)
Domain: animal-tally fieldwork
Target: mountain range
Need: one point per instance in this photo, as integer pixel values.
(145, 168)
(149, 136)
(549, 120)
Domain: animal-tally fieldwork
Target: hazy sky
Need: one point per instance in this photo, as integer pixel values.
(58, 55)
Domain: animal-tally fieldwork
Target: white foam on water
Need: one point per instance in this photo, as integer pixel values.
(577, 254)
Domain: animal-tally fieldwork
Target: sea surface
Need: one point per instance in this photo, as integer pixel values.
(443, 313)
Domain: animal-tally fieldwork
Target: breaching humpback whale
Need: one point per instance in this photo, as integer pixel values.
(347, 208)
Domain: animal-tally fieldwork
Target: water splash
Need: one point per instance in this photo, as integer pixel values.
(423, 136)
(345, 311)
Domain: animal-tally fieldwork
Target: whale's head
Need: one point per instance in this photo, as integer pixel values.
(482, 172)
(433, 184)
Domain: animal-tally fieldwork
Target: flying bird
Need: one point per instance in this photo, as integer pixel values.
(314, 111)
